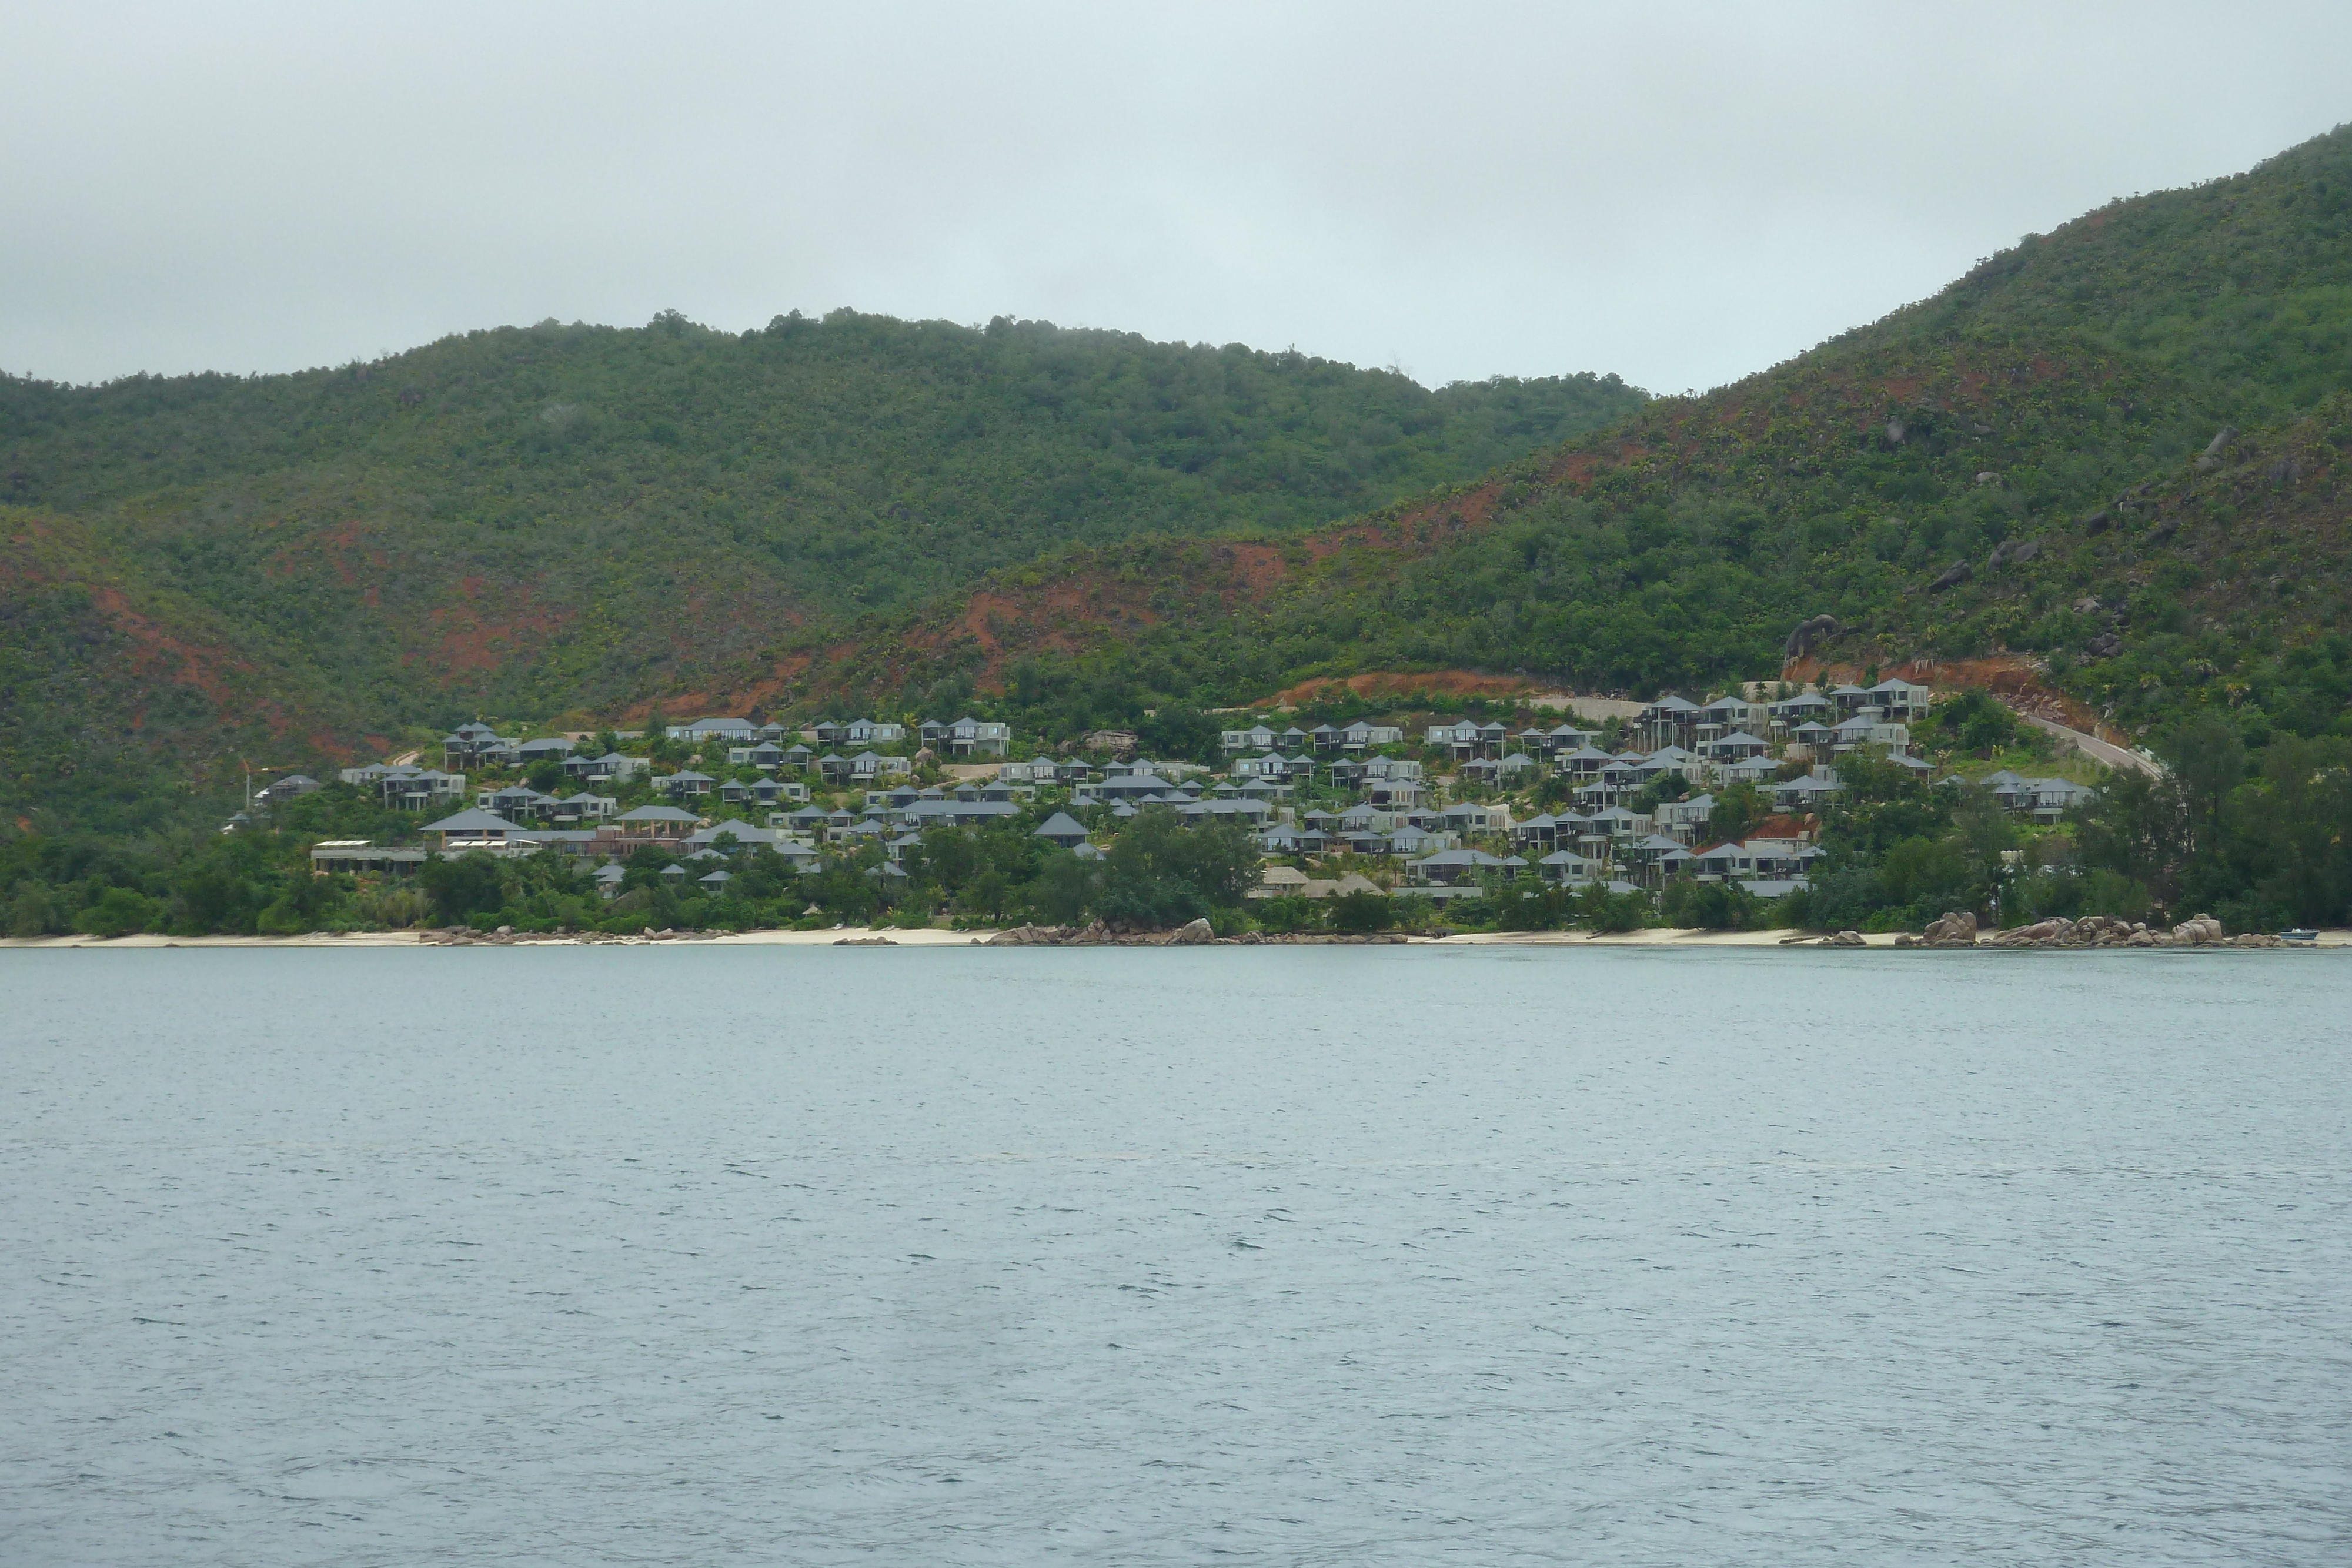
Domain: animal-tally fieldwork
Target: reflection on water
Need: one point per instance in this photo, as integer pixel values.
(1362, 1256)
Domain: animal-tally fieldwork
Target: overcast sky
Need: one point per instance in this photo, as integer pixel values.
(1680, 193)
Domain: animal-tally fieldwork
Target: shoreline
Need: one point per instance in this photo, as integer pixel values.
(1657, 937)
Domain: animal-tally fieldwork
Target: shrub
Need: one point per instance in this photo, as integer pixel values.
(462, 886)
(281, 917)
(120, 912)
(32, 914)
(1706, 905)
(1602, 911)
(1291, 913)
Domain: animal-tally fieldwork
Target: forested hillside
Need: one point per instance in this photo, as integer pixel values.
(2114, 454)
(563, 518)
(119, 697)
(2118, 452)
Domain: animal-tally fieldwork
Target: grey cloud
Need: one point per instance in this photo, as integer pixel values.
(1681, 194)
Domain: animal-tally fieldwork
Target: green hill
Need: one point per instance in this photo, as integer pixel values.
(2242, 285)
(580, 519)
(1950, 483)
(558, 519)
(120, 696)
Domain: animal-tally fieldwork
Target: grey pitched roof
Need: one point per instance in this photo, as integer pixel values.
(744, 833)
(1478, 859)
(471, 821)
(658, 814)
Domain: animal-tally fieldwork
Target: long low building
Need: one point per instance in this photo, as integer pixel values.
(360, 854)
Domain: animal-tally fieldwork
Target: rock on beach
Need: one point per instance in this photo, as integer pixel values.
(1959, 929)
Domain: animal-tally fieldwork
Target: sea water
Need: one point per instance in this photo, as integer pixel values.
(1350, 1256)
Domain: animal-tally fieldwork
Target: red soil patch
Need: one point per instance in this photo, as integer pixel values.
(1972, 383)
(984, 616)
(1258, 567)
(763, 693)
(2016, 681)
(202, 668)
(471, 641)
(1052, 617)
(2014, 678)
(157, 655)
(1471, 505)
(205, 665)
(1575, 468)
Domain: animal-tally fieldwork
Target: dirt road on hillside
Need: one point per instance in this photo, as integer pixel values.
(2097, 750)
